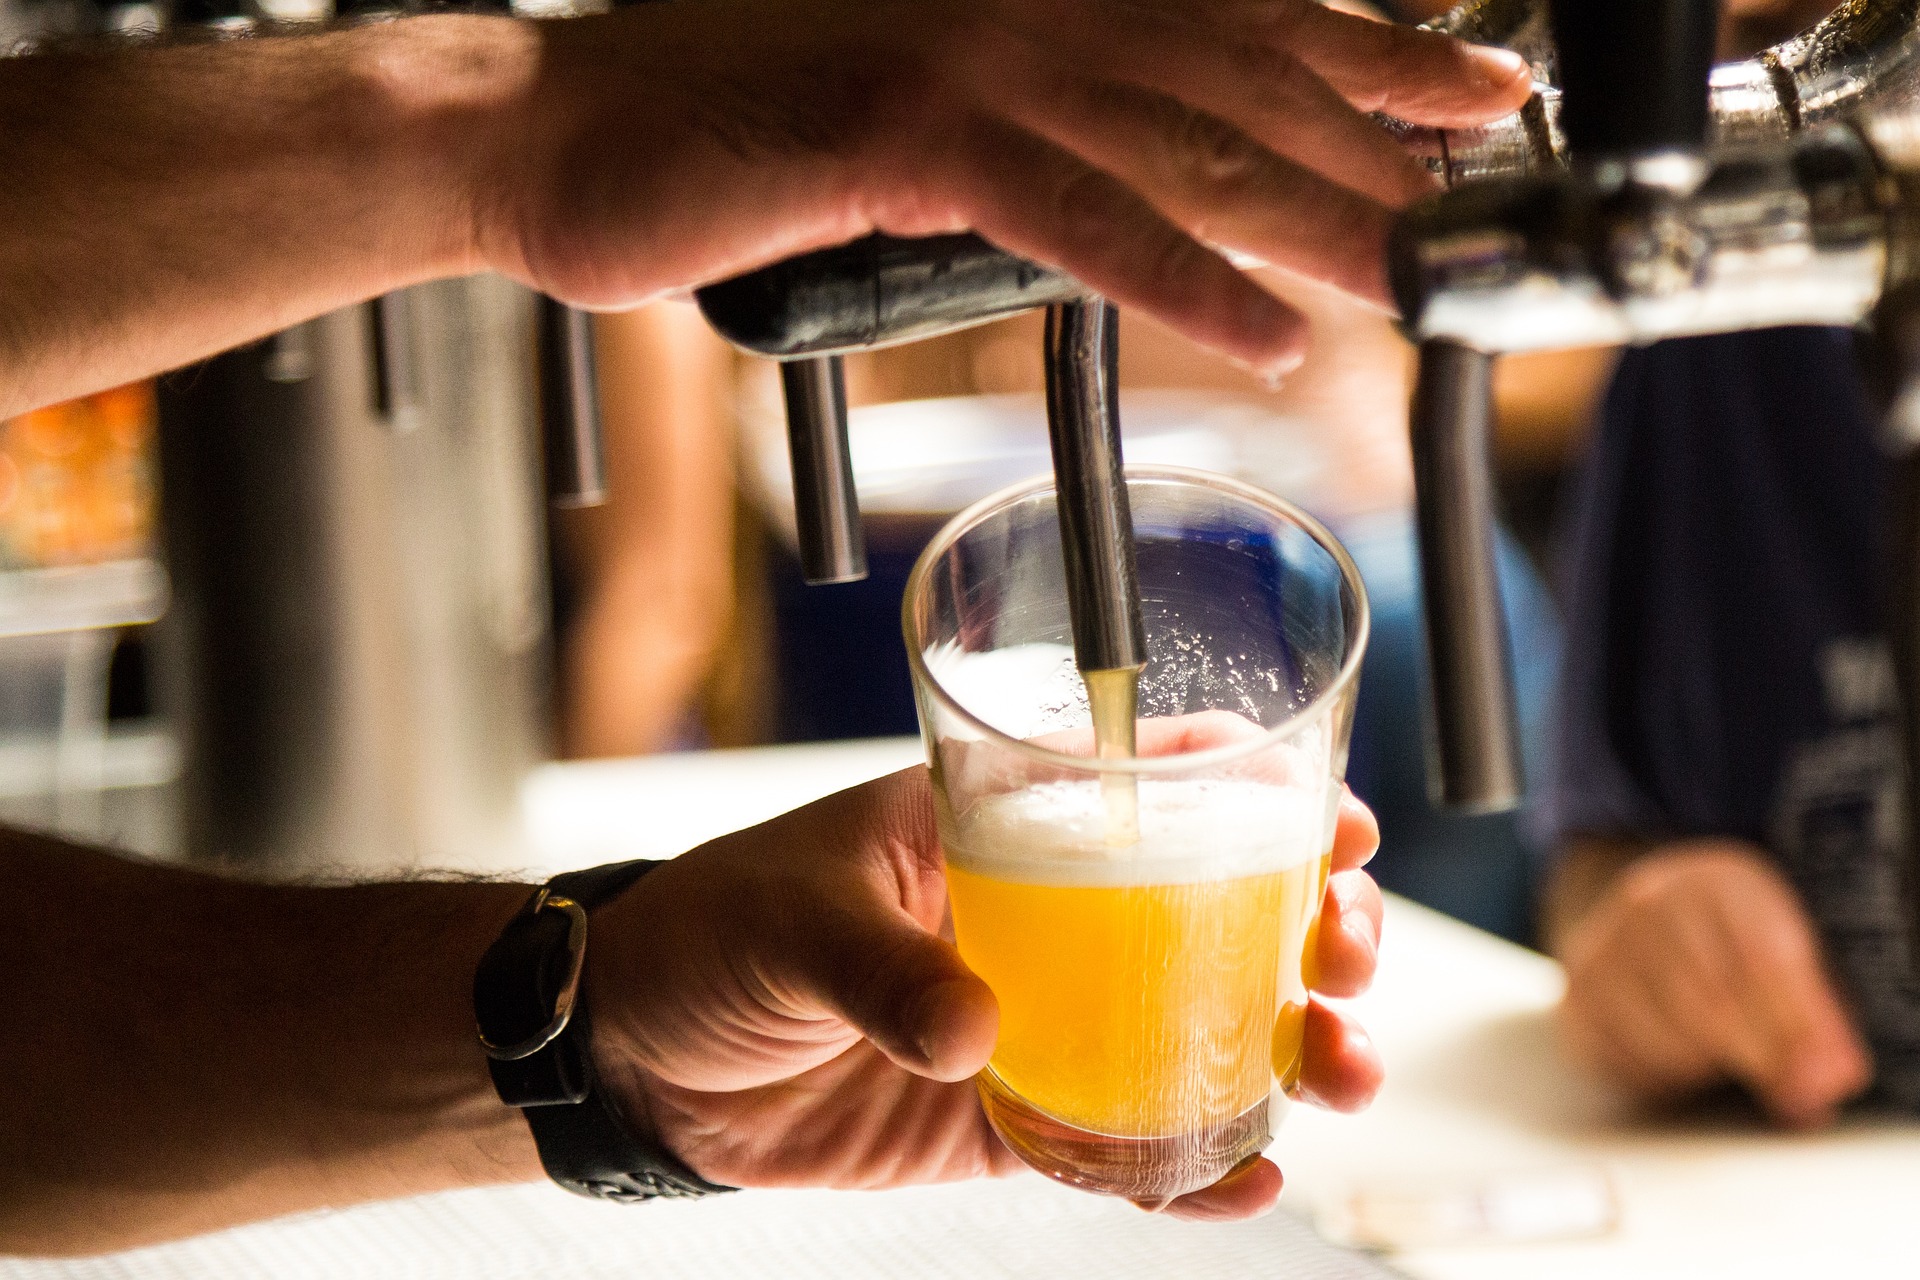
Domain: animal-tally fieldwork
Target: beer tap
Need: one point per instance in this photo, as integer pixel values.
(875, 292)
(1650, 236)
(1861, 58)
(881, 291)
(1634, 114)
(570, 407)
(1642, 193)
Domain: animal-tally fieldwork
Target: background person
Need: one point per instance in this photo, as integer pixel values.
(1726, 807)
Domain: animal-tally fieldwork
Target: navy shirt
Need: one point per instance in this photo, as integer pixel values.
(1724, 673)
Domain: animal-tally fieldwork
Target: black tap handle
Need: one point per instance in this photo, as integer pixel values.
(875, 292)
(1633, 73)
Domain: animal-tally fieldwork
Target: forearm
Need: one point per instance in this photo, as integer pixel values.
(163, 204)
(185, 1052)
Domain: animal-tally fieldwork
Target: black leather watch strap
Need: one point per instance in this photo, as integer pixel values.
(535, 1026)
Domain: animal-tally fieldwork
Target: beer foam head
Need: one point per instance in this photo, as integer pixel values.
(1190, 830)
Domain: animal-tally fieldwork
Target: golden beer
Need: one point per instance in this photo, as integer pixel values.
(1149, 996)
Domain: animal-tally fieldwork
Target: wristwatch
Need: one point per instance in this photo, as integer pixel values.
(532, 1013)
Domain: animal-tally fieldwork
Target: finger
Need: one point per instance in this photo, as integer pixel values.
(1257, 85)
(1340, 1069)
(1699, 989)
(1250, 1189)
(1649, 1052)
(1348, 948)
(1356, 833)
(1817, 1059)
(1418, 76)
(1828, 1067)
(1032, 198)
(870, 963)
(1218, 183)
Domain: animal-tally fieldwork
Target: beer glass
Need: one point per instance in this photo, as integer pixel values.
(1147, 923)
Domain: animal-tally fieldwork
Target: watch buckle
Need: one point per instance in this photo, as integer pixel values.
(569, 993)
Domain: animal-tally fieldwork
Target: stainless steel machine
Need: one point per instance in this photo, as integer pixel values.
(356, 660)
(1642, 193)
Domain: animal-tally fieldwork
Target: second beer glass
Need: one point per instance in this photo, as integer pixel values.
(1152, 983)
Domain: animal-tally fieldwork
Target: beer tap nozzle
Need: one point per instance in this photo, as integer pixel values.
(1473, 726)
(826, 505)
(1096, 522)
(570, 407)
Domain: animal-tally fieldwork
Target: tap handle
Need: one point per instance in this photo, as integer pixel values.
(826, 507)
(875, 292)
(1634, 73)
(1096, 520)
(396, 368)
(570, 407)
(1474, 740)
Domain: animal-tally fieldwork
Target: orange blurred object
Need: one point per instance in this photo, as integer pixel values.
(76, 480)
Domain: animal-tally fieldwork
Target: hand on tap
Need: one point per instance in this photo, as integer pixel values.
(165, 203)
(1126, 143)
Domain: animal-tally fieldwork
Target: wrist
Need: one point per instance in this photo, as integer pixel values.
(536, 1022)
(413, 1098)
(457, 94)
(1588, 872)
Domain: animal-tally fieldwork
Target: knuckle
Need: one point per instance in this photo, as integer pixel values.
(1220, 156)
(1171, 268)
(1277, 21)
(1644, 886)
(1087, 207)
(1780, 948)
(1261, 61)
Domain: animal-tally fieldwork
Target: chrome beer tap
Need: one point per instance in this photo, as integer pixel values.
(882, 291)
(879, 291)
(1801, 208)
(1641, 193)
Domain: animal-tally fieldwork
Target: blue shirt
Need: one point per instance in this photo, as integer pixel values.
(1724, 672)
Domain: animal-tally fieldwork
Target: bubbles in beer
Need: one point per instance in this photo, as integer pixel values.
(1142, 990)
(1190, 829)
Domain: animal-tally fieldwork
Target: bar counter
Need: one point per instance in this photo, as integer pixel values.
(1481, 1119)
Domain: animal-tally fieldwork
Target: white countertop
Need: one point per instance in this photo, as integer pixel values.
(1475, 1088)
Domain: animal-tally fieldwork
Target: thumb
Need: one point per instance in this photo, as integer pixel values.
(903, 988)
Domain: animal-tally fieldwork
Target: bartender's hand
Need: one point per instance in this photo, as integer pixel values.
(781, 1006)
(162, 204)
(1696, 963)
(1111, 139)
